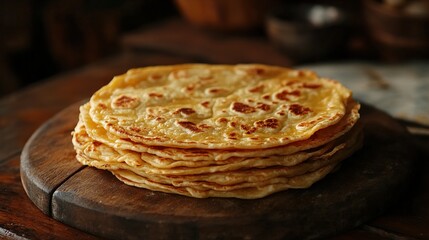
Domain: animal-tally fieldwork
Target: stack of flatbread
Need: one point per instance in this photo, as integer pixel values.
(243, 131)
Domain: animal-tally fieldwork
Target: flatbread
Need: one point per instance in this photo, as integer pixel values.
(198, 130)
(262, 190)
(218, 106)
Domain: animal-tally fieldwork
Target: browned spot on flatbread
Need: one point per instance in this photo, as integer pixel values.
(268, 123)
(299, 109)
(102, 106)
(248, 129)
(155, 95)
(255, 71)
(263, 107)
(205, 104)
(284, 95)
(242, 108)
(190, 126)
(281, 113)
(257, 89)
(289, 82)
(155, 76)
(312, 85)
(204, 126)
(125, 101)
(217, 90)
(222, 120)
(160, 119)
(307, 124)
(233, 124)
(135, 129)
(190, 87)
(266, 97)
(116, 129)
(185, 111)
(233, 136)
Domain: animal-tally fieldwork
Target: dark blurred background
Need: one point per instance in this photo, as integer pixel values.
(45, 37)
(42, 38)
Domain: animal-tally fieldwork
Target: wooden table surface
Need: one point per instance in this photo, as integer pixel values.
(170, 42)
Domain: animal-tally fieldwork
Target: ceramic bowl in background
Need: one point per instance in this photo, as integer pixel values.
(398, 29)
(225, 15)
(309, 32)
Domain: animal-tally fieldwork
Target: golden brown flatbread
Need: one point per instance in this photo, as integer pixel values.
(218, 106)
(198, 130)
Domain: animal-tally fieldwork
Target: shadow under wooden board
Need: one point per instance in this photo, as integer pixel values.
(94, 201)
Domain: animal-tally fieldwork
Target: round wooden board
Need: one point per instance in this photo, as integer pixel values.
(96, 202)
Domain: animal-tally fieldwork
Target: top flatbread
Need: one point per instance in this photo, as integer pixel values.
(218, 106)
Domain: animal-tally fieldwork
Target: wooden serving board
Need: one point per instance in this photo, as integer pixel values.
(96, 202)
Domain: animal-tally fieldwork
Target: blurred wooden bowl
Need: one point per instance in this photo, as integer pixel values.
(225, 15)
(396, 34)
(308, 32)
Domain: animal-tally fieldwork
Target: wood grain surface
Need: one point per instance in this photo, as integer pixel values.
(96, 202)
